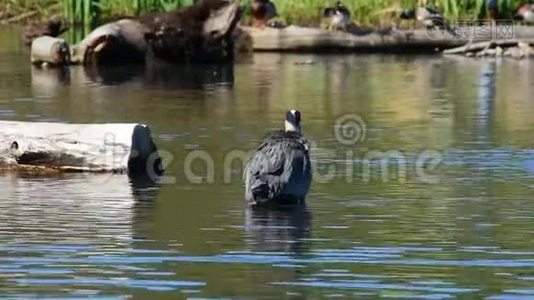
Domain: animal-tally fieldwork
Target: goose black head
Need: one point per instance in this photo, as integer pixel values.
(408, 14)
(329, 12)
(292, 123)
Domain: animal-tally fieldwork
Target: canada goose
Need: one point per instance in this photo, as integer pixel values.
(431, 18)
(263, 13)
(279, 170)
(336, 17)
(33, 30)
(526, 13)
(492, 10)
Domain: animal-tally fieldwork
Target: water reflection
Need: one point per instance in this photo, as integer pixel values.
(164, 75)
(189, 76)
(48, 82)
(485, 101)
(278, 229)
(144, 189)
(463, 237)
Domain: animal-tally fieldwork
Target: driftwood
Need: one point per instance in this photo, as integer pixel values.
(78, 147)
(485, 45)
(198, 33)
(49, 50)
(517, 48)
(295, 38)
(117, 42)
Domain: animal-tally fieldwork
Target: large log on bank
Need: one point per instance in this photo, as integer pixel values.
(122, 41)
(198, 33)
(78, 147)
(295, 38)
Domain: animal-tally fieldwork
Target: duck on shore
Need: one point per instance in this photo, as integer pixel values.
(336, 17)
(428, 16)
(279, 170)
(492, 10)
(53, 27)
(264, 14)
(526, 13)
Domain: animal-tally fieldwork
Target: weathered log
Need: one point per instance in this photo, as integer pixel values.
(222, 21)
(50, 50)
(295, 38)
(198, 33)
(122, 41)
(78, 147)
(474, 47)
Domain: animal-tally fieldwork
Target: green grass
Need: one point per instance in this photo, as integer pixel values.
(364, 12)
(91, 11)
(14, 8)
(377, 12)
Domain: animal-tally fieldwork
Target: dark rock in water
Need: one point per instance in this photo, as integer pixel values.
(198, 33)
(33, 30)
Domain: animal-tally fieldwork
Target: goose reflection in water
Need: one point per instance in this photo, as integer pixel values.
(144, 188)
(279, 229)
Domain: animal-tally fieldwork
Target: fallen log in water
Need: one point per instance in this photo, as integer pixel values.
(295, 38)
(201, 33)
(78, 148)
(198, 33)
(50, 50)
(516, 48)
(118, 42)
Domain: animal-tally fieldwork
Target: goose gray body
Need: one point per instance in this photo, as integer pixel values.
(279, 170)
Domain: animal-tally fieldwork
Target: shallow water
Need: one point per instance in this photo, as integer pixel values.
(452, 218)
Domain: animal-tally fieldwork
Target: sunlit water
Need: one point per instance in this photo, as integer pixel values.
(453, 218)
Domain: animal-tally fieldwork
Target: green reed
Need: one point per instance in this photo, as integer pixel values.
(375, 12)
(382, 11)
(92, 11)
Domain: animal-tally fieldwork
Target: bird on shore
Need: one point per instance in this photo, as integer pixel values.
(53, 27)
(279, 170)
(526, 13)
(428, 16)
(336, 17)
(492, 10)
(264, 14)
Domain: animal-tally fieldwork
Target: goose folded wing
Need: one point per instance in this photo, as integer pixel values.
(269, 168)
